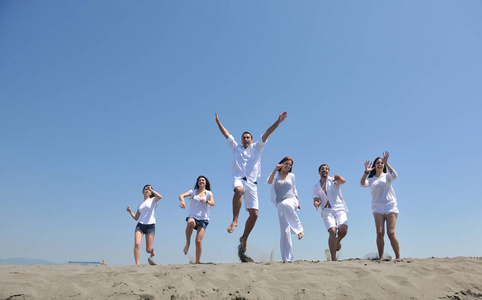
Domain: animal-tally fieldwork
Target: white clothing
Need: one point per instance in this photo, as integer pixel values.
(383, 195)
(385, 209)
(288, 219)
(250, 193)
(333, 194)
(197, 209)
(246, 162)
(285, 189)
(147, 209)
(291, 178)
(334, 218)
(337, 214)
(289, 223)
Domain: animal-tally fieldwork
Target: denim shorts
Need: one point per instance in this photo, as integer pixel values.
(146, 228)
(202, 223)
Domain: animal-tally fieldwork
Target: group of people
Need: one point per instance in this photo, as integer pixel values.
(246, 170)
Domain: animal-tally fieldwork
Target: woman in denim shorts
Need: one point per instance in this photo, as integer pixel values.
(146, 222)
(198, 215)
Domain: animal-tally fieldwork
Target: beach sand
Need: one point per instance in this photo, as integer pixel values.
(430, 278)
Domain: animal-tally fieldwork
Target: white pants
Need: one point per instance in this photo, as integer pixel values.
(289, 223)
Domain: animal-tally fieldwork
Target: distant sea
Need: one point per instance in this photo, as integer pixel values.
(26, 261)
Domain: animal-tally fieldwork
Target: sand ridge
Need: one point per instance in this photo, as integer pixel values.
(431, 278)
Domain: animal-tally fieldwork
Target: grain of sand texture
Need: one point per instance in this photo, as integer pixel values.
(430, 278)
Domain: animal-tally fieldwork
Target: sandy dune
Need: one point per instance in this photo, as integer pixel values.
(431, 278)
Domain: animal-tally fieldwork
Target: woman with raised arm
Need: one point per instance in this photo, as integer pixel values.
(384, 201)
(146, 222)
(285, 197)
(198, 215)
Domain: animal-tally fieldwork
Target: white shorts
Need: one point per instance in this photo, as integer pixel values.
(250, 192)
(334, 218)
(385, 209)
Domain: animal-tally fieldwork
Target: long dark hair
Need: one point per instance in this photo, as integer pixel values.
(374, 171)
(285, 159)
(208, 185)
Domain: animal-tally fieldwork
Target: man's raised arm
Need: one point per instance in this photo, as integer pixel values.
(223, 130)
(270, 130)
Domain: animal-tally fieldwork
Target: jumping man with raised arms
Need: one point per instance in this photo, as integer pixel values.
(246, 170)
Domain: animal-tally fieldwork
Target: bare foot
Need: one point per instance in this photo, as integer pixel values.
(385, 257)
(186, 248)
(152, 252)
(300, 235)
(232, 226)
(242, 243)
(338, 247)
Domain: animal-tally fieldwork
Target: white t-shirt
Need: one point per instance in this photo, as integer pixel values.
(246, 162)
(333, 194)
(382, 190)
(147, 209)
(197, 209)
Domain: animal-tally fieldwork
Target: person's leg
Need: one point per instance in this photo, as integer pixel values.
(149, 244)
(342, 222)
(380, 226)
(251, 204)
(342, 231)
(332, 242)
(391, 223)
(286, 247)
(137, 246)
(329, 219)
(292, 217)
(253, 216)
(237, 203)
(199, 243)
(189, 229)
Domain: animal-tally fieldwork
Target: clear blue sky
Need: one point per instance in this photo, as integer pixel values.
(99, 98)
